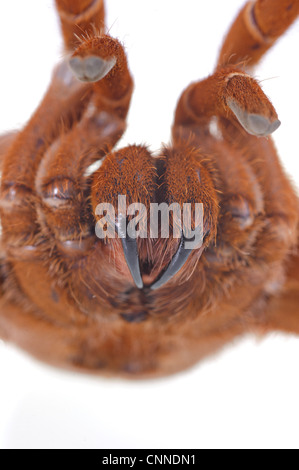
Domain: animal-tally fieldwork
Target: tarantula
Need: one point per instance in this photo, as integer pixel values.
(148, 306)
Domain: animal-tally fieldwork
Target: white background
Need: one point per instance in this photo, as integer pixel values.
(247, 396)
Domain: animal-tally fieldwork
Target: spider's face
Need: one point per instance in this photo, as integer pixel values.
(157, 214)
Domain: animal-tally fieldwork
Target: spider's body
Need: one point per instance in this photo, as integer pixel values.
(147, 307)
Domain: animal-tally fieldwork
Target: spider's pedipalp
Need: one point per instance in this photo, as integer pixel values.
(101, 60)
(227, 94)
(62, 181)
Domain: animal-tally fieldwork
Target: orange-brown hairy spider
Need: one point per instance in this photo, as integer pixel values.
(151, 305)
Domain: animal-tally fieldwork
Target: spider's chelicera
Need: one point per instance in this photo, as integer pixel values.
(132, 221)
(125, 262)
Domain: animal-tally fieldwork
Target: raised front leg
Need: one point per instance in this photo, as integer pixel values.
(62, 182)
(230, 94)
(74, 126)
(257, 27)
(101, 60)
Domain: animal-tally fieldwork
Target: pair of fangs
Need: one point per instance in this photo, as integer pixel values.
(178, 261)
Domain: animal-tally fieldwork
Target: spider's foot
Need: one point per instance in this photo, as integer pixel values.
(95, 58)
(91, 69)
(230, 94)
(250, 105)
(102, 62)
(254, 124)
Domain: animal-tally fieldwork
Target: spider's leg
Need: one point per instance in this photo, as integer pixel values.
(102, 62)
(62, 106)
(259, 208)
(229, 94)
(79, 19)
(282, 308)
(257, 27)
(82, 121)
(5, 141)
(62, 183)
